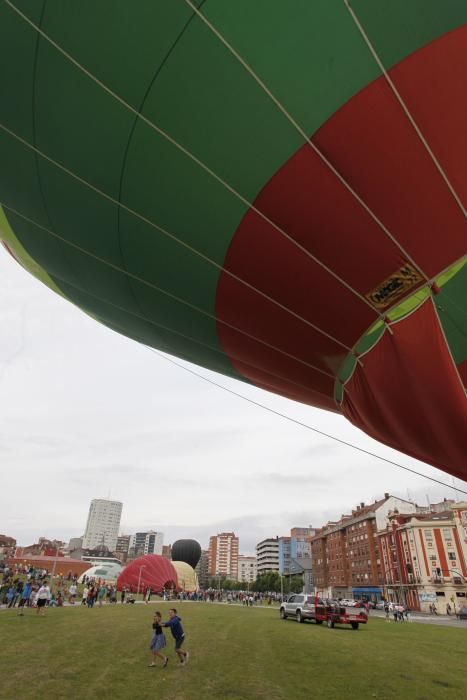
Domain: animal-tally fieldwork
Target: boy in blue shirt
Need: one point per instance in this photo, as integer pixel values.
(178, 634)
(24, 600)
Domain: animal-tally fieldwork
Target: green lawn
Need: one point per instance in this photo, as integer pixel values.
(236, 653)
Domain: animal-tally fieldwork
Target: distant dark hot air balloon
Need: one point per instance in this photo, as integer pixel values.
(188, 551)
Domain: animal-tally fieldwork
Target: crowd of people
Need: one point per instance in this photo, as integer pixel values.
(400, 613)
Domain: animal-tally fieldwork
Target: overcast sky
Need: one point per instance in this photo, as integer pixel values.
(86, 413)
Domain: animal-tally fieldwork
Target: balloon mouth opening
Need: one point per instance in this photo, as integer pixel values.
(169, 585)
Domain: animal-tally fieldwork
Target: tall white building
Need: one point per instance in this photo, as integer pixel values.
(103, 524)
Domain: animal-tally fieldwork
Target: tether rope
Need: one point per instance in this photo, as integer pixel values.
(301, 424)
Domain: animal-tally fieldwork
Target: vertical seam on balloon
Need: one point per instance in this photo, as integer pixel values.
(165, 292)
(304, 135)
(405, 109)
(125, 155)
(34, 135)
(174, 238)
(206, 168)
(464, 389)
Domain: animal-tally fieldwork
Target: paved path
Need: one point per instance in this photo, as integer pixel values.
(424, 619)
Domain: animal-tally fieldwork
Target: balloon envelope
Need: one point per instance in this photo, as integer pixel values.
(108, 572)
(150, 571)
(312, 243)
(188, 551)
(187, 579)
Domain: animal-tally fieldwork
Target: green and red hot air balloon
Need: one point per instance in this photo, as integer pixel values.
(275, 191)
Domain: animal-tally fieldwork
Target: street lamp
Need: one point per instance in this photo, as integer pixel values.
(139, 578)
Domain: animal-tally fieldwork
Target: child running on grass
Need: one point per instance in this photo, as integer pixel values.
(178, 634)
(158, 641)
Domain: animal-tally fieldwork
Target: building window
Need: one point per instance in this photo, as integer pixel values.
(452, 556)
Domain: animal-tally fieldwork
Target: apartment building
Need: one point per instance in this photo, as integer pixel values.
(267, 555)
(223, 555)
(345, 553)
(149, 542)
(424, 558)
(103, 524)
(295, 547)
(247, 569)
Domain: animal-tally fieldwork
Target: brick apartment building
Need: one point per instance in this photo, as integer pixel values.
(223, 555)
(345, 553)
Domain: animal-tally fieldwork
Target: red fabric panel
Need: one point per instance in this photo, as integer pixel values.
(152, 571)
(408, 395)
(373, 145)
(462, 368)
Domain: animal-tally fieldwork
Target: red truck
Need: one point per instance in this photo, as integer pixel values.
(332, 612)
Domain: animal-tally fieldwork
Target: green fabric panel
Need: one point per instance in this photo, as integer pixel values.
(17, 54)
(396, 28)
(452, 309)
(121, 42)
(88, 131)
(312, 56)
(20, 164)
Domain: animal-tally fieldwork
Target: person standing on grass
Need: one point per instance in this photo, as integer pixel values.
(72, 591)
(90, 599)
(10, 596)
(178, 634)
(24, 600)
(101, 595)
(158, 641)
(386, 610)
(43, 597)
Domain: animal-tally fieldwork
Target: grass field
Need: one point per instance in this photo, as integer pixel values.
(236, 653)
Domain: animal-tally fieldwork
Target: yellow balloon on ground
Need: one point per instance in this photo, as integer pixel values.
(186, 576)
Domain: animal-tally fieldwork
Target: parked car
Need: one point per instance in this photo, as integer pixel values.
(301, 606)
(462, 613)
